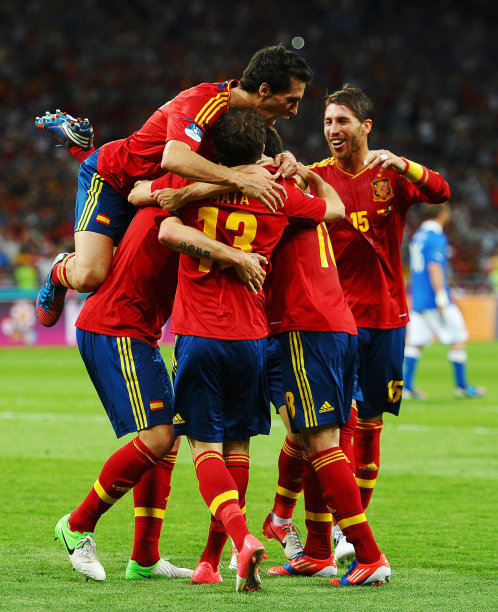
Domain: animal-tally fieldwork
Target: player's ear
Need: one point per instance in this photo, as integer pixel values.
(264, 90)
(366, 126)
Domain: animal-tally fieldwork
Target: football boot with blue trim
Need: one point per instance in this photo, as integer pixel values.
(67, 130)
(359, 574)
(50, 299)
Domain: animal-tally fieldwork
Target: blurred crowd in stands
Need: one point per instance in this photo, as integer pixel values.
(431, 73)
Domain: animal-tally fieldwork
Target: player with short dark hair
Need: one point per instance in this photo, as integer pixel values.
(276, 66)
(221, 395)
(377, 188)
(176, 138)
(318, 339)
(117, 331)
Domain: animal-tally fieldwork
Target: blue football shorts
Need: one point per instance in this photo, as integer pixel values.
(380, 371)
(318, 374)
(130, 378)
(99, 207)
(274, 373)
(221, 390)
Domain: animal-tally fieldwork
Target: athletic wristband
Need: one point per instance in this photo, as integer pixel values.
(415, 173)
(442, 299)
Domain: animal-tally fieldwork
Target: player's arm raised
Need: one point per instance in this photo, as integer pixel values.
(335, 210)
(191, 241)
(170, 198)
(179, 158)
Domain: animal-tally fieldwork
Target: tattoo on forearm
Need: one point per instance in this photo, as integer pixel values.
(191, 249)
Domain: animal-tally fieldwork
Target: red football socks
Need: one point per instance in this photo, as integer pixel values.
(290, 480)
(238, 467)
(150, 496)
(340, 492)
(219, 491)
(59, 276)
(347, 437)
(318, 517)
(120, 473)
(367, 458)
(216, 541)
(80, 154)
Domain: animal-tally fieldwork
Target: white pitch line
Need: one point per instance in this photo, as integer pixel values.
(443, 428)
(52, 416)
(100, 418)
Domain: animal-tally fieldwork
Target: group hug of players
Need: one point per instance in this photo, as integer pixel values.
(284, 284)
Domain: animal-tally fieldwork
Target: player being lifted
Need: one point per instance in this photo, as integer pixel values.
(177, 137)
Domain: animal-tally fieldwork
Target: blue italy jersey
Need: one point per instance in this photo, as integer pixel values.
(428, 244)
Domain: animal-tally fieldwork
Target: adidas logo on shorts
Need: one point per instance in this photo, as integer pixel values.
(177, 420)
(326, 408)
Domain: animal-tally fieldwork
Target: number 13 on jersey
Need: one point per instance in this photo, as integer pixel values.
(243, 241)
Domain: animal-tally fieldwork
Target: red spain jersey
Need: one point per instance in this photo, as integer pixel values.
(303, 290)
(189, 117)
(367, 243)
(136, 299)
(212, 302)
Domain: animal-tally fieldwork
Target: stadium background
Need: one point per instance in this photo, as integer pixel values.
(429, 68)
(431, 71)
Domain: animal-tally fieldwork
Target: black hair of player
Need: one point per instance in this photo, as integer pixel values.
(276, 66)
(273, 144)
(239, 137)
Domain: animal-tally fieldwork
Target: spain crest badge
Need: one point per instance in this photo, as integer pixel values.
(382, 190)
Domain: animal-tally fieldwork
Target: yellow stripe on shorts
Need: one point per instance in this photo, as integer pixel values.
(296, 348)
(91, 203)
(130, 376)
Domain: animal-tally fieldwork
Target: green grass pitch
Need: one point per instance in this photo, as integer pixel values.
(433, 511)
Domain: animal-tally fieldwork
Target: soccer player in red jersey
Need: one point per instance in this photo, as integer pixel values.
(118, 330)
(377, 188)
(177, 137)
(309, 315)
(221, 395)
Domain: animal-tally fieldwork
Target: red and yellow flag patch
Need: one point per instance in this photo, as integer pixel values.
(156, 405)
(103, 219)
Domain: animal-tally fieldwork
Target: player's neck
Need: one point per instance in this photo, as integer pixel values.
(240, 98)
(353, 164)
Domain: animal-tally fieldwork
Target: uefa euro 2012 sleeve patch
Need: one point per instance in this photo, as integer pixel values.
(194, 131)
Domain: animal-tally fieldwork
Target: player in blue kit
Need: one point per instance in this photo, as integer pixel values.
(434, 314)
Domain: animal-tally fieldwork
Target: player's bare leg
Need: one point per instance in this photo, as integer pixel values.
(84, 270)
(92, 262)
